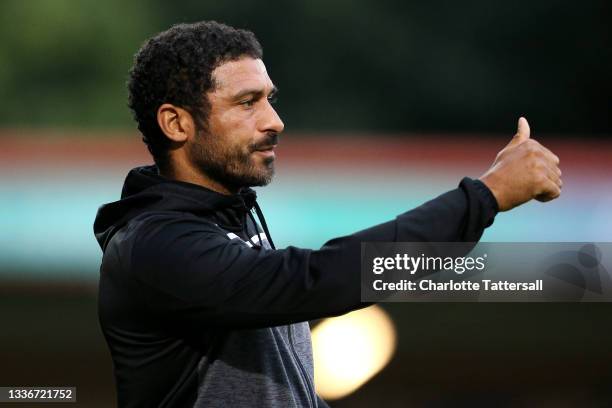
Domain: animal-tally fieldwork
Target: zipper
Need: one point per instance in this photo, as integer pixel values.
(301, 367)
(310, 387)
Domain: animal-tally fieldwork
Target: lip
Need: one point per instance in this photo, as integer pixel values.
(267, 151)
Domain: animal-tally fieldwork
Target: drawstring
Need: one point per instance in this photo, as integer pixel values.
(264, 225)
(256, 230)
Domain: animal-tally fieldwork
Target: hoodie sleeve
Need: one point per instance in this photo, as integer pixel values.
(191, 273)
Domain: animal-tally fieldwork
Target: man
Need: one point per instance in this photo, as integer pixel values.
(196, 304)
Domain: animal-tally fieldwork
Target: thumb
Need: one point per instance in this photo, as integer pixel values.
(522, 132)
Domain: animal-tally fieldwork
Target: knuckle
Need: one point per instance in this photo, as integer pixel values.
(538, 179)
(530, 152)
(532, 149)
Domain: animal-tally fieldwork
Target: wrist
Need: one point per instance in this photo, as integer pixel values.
(490, 186)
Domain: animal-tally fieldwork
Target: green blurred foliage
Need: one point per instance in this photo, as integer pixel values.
(64, 63)
(341, 65)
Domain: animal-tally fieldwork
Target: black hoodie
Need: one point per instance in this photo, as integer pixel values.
(199, 310)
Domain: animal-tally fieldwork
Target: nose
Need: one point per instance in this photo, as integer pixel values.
(270, 121)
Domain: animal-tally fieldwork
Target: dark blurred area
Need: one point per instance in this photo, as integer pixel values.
(449, 355)
(432, 66)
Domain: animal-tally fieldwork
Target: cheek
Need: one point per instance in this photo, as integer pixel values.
(238, 127)
(234, 131)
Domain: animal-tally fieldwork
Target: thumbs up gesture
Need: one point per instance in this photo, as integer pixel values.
(523, 170)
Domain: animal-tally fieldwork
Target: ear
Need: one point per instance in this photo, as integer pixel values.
(176, 123)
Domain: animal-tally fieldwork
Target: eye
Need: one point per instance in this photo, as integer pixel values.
(248, 103)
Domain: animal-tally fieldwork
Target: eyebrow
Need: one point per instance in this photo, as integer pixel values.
(257, 92)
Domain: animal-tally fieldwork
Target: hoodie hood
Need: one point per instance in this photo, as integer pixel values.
(145, 190)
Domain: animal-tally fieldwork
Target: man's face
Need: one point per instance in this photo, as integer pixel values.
(237, 148)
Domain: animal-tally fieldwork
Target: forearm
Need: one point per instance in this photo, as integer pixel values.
(209, 279)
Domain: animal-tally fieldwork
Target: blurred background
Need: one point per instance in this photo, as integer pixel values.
(386, 105)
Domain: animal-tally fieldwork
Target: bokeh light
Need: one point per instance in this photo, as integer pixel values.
(351, 349)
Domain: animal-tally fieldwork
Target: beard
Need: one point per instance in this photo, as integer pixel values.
(233, 165)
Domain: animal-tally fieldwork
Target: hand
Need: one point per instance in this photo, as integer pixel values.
(523, 170)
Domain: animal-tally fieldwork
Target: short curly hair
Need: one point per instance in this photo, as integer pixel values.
(176, 66)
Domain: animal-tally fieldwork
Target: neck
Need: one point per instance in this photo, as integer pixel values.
(190, 175)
